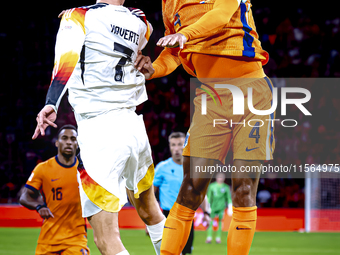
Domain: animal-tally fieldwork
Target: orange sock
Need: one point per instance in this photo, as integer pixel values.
(176, 229)
(241, 230)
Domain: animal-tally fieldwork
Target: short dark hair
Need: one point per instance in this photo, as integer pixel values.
(67, 126)
(176, 135)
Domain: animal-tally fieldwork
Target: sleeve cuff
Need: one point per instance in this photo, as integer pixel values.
(31, 188)
(185, 34)
(53, 107)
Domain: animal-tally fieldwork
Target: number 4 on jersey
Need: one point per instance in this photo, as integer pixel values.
(255, 132)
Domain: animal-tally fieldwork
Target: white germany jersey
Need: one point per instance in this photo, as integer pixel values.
(95, 51)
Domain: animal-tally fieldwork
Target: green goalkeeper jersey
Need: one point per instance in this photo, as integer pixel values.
(218, 196)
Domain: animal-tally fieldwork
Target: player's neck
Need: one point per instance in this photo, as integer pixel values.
(114, 2)
(178, 161)
(67, 161)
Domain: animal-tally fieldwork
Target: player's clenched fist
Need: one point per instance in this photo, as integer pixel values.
(172, 41)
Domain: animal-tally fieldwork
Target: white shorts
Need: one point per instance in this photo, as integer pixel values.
(116, 154)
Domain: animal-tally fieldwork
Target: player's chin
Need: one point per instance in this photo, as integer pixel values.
(178, 156)
(68, 153)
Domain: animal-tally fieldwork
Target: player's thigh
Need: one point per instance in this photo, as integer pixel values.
(210, 134)
(195, 183)
(253, 135)
(76, 250)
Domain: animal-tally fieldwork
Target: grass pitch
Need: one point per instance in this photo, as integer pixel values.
(22, 241)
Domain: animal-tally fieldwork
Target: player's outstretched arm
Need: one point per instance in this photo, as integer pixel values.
(32, 200)
(45, 118)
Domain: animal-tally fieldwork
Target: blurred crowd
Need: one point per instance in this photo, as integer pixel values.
(301, 44)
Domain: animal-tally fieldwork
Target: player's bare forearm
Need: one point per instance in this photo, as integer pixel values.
(31, 199)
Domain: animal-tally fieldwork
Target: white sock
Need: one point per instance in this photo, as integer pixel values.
(156, 232)
(123, 253)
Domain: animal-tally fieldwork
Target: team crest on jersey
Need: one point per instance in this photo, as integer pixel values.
(177, 20)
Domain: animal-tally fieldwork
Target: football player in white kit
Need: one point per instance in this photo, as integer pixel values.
(95, 51)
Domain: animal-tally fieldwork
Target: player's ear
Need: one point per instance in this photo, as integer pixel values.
(57, 143)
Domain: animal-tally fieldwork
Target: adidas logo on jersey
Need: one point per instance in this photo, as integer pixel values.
(125, 34)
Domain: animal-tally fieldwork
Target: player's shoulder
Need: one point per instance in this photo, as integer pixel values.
(45, 164)
(139, 14)
(79, 12)
(93, 7)
(164, 163)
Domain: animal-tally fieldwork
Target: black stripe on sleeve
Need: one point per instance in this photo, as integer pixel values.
(32, 188)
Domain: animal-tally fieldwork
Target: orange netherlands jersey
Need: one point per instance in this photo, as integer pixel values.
(59, 187)
(214, 27)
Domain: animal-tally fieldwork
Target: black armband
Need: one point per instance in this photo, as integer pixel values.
(40, 206)
(207, 213)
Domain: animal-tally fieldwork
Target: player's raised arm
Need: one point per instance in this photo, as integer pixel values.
(168, 60)
(70, 39)
(214, 19)
(209, 23)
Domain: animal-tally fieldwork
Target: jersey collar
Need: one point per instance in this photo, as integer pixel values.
(61, 164)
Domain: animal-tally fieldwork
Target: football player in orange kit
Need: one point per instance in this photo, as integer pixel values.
(217, 39)
(53, 191)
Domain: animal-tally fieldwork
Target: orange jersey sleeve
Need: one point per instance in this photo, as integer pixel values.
(168, 60)
(213, 20)
(214, 27)
(35, 180)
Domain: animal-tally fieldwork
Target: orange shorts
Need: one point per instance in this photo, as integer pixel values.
(251, 136)
(62, 249)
